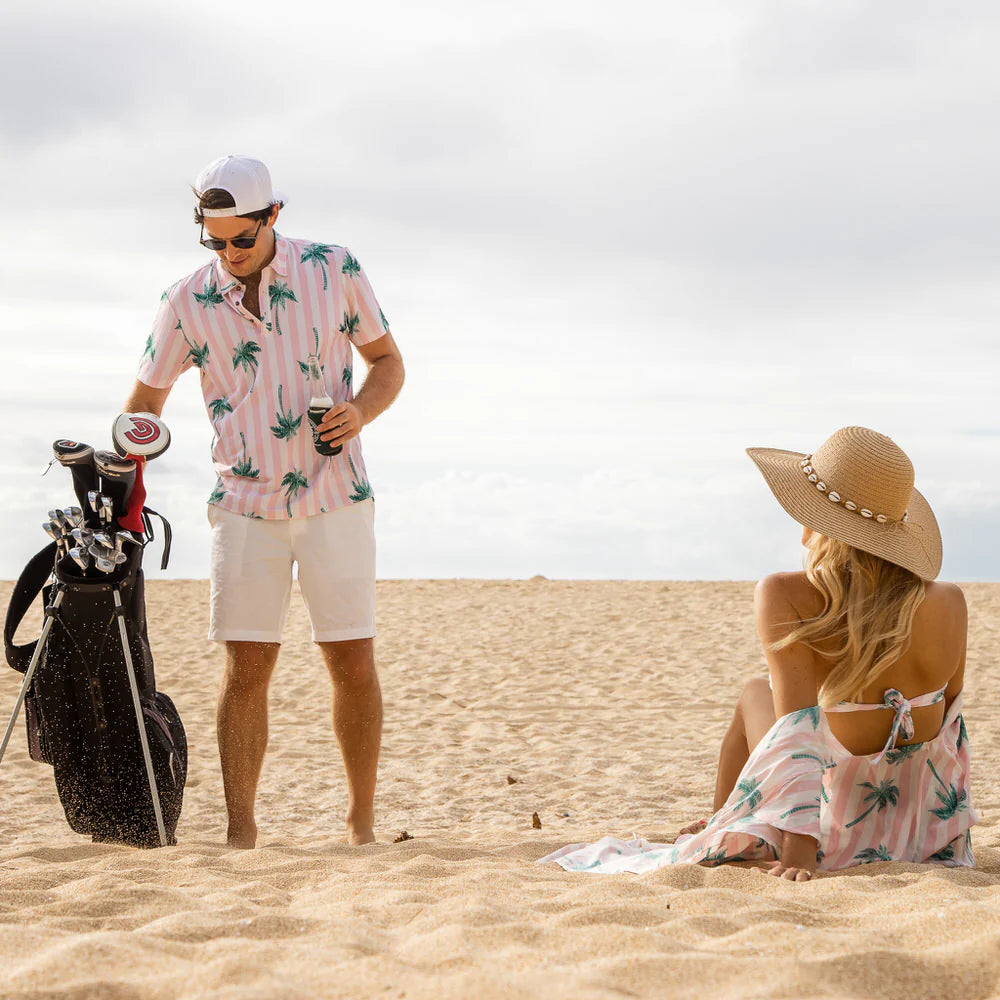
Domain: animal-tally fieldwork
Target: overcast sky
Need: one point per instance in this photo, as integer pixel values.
(617, 244)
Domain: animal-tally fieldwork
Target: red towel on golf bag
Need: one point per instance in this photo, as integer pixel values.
(132, 518)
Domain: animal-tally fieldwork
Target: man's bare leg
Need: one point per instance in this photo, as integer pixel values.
(357, 722)
(241, 722)
(753, 717)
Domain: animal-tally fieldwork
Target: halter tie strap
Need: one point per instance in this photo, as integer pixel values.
(893, 700)
(903, 720)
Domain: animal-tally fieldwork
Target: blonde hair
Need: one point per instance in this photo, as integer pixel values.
(868, 610)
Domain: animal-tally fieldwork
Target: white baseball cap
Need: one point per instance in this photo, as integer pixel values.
(246, 179)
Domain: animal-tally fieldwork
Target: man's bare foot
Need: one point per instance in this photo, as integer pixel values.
(360, 825)
(696, 827)
(242, 835)
(358, 834)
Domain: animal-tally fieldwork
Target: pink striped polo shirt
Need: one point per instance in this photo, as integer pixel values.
(315, 299)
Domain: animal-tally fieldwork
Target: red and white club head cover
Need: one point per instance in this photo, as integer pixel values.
(142, 435)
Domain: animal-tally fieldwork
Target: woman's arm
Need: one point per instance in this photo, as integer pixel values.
(960, 616)
(792, 669)
(793, 682)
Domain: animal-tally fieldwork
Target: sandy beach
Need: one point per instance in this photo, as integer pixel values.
(598, 706)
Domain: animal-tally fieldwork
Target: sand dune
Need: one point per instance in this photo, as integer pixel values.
(605, 703)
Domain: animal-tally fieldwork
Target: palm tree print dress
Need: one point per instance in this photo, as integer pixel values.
(905, 803)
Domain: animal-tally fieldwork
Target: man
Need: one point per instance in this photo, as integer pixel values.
(249, 321)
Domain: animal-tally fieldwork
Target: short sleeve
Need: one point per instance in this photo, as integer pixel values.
(167, 352)
(365, 321)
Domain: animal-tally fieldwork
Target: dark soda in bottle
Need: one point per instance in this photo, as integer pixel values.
(319, 402)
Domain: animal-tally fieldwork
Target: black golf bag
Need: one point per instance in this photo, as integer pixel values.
(89, 680)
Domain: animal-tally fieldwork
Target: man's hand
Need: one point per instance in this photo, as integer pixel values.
(340, 423)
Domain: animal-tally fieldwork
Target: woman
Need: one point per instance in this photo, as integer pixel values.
(855, 749)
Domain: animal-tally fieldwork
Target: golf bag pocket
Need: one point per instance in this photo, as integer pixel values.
(168, 748)
(36, 737)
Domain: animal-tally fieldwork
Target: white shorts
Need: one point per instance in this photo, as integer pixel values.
(251, 574)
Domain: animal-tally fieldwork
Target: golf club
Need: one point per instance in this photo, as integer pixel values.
(74, 515)
(123, 537)
(82, 536)
(79, 459)
(104, 565)
(117, 479)
(80, 557)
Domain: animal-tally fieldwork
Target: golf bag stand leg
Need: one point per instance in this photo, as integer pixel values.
(140, 721)
(50, 613)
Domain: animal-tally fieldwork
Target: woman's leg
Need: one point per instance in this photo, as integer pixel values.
(753, 717)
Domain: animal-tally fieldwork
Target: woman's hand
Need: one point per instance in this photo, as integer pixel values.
(692, 828)
(797, 862)
(789, 872)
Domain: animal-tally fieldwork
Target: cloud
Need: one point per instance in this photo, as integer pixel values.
(614, 251)
(79, 71)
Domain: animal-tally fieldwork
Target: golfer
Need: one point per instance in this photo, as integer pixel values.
(249, 320)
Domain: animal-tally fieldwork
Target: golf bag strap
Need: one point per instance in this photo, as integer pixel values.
(167, 532)
(29, 585)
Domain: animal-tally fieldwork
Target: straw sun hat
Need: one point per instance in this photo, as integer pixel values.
(857, 487)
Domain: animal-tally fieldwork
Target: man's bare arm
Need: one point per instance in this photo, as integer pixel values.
(145, 399)
(382, 384)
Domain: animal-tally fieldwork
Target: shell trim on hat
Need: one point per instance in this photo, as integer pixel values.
(864, 473)
(834, 497)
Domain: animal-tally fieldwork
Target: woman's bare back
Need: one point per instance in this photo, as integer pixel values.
(933, 659)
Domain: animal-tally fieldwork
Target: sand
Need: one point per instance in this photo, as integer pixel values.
(605, 702)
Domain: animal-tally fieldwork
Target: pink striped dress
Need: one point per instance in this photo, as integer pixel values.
(905, 803)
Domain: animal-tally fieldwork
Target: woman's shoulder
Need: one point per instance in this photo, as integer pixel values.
(783, 601)
(943, 593)
(943, 603)
(777, 592)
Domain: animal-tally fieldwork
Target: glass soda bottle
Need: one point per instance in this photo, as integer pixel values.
(319, 402)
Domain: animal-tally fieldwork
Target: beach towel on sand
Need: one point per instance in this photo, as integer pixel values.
(906, 803)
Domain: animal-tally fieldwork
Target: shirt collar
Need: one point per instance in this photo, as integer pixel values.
(280, 261)
(279, 264)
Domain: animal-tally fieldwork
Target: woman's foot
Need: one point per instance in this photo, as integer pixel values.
(692, 828)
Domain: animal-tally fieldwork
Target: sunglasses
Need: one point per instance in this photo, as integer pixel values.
(241, 242)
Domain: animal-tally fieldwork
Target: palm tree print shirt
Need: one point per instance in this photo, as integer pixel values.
(315, 299)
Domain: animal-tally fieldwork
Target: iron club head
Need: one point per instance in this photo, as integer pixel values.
(80, 557)
(104, 565)
(123, 538)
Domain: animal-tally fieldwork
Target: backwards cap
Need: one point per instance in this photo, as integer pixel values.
(246, 179)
